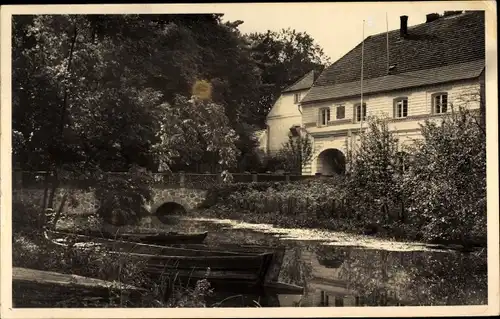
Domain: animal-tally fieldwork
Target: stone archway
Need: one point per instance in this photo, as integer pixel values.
(331, 161)
(167, 209)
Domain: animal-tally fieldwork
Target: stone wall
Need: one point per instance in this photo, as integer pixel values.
(78, 201)
(84, 202)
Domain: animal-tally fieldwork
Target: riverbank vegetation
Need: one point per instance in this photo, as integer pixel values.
(419, 192)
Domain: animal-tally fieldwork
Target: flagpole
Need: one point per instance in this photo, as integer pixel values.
(362, 62)
(387, 38)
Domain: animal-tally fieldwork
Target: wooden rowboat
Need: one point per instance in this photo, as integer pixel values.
(134, 247)
(275, 263)
(228, 263)
(149, 238)
(248, 269)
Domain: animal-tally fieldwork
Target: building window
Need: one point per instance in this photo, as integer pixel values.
(296, 98)
(340, 112)
(401, 107)
(360, 112)
(440, 103)
(324, 116)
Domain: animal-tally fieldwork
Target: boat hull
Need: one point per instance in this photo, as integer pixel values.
(275, 263)
(157, 239)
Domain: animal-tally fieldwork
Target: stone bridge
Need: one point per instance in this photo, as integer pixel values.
(172, 193)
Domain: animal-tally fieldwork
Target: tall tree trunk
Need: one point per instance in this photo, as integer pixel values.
(68, 68)
(64, 107)
(60, 210)
(46, 189)
(53, 189)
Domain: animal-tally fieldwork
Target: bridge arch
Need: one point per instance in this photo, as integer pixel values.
(331, 161)
(167, 209)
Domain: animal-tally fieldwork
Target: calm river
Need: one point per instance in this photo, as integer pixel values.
(341, 270)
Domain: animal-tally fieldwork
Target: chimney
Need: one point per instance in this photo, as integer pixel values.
(432, 17)
(403, 31)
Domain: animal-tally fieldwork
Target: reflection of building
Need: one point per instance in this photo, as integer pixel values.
(285, 115)
(325, 288)
(426, 70)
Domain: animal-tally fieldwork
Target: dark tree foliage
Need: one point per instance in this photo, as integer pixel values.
(95, 93)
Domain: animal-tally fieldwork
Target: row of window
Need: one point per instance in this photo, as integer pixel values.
(439, 106)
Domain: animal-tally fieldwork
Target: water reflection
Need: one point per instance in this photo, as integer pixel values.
(336, 276)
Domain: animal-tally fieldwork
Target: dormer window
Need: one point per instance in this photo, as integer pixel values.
(440, 103)
(401, 107)
(296, 98)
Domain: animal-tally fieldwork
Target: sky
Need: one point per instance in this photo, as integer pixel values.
(336, 27)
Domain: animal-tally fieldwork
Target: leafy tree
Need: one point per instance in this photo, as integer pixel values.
(296, 153)
(283, 57)
(87, 98)
(374, 179)
(447, 177)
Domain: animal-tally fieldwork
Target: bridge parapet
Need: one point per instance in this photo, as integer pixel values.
(36, 179)
(180, 189)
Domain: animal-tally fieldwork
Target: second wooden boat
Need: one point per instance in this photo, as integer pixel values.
(250, 269)
(275, 263)
(138, 248)
(166, 238)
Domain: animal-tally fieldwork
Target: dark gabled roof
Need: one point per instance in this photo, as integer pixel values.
(304, 82)
(440, 44)
(448, 73)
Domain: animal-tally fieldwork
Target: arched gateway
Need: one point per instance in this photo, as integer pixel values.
(331, 161)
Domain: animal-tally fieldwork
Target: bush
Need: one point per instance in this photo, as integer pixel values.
(122, 197)
(447, 177)
(26, 216)
(273, 163)
(222, 192)
(317, 199)
(296, 153)
(374, 179)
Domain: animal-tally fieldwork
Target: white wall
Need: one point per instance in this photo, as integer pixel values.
(283, 115)
(419, 109)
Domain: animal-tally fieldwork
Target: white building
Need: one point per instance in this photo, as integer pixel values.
(286, 113)
(428, 69)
